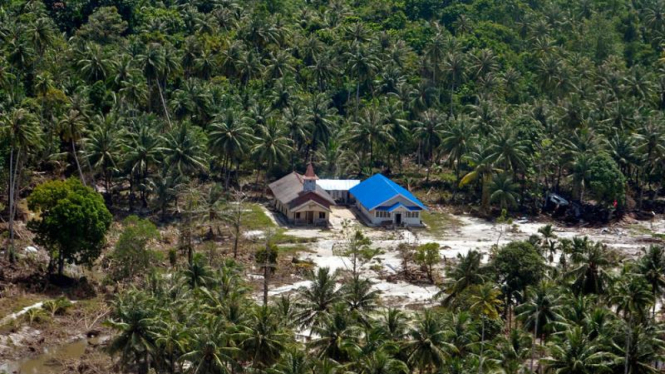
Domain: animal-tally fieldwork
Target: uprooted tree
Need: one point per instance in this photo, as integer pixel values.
(72, 223)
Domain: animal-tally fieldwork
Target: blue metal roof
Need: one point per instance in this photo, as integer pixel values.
(378, 189)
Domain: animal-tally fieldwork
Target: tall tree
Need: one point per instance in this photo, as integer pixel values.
(21, 129)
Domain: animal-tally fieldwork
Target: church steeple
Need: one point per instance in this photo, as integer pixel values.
(309, 179)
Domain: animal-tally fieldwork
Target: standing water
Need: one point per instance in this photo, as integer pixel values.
(47, 362)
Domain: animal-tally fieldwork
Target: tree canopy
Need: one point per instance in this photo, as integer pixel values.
(72, 223)
(513, 98)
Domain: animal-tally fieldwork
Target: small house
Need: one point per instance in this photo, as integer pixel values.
(384, 202)
(301, 200)
(338, 189)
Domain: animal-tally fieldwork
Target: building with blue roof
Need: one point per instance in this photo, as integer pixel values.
(384, 202)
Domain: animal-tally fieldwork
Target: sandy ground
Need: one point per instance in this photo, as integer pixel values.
(470, 234)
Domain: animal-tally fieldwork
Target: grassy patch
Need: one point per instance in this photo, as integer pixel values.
(640, 230)
(281, 237)
(14, 304)
(438, 223)
(293, 249)
(255, 218)
(658, 236)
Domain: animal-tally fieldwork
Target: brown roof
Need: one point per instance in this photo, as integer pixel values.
(289, 191)
(309, 173)
(310, 196)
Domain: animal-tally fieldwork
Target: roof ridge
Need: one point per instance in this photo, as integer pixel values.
(390, 183)
(393, 186)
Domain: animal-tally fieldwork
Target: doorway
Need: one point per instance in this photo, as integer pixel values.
(310, 217)
(398, 218)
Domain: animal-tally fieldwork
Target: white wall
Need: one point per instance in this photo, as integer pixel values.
(375, 221)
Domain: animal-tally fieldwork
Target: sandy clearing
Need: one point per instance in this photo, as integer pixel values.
(470, 233)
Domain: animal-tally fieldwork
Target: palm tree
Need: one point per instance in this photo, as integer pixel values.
(548, 238)
(317, 300)
(623, 150)
(166, 186)
(263, 340)
(170, 341)
(538, 312)
(487, 116)
(273, 147)
(580, 173)
(503, 191)
(229, 137)
(649, 141)
(133, 92)
(428, 347)
(483, 162)
(153, 61)
(279, 65)
(513, 351)
(93, 63)
(323, 69)
(456, 141)
(460, 332)
(204, 64)
(197, 274)
(72, 127)
(362, 64)
(508, 151)
(454, 65)
(465, 273)
(249, 67)
(369, 131)
(428, 130)
(592, 261)
(295, 123)
(644, 354)
(21, 55)
(359, 297)
(393, 324)
(652, 266)
(285, 308)
(102, 148)
(41, 34)
(133, 317)
(294, 361)
(434, 52)
(212, 209)
(632, 297)
(400, 137)
(6, 77)
(184, 150)
(336, 336)
(380, 362)
(142, 150)
(320, 117)
(484, 63)
(211, 349)
(485, 302)
(21, 129)
(575, 354)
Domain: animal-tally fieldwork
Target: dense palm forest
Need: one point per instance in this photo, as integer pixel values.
(510, 97)
(489, 103)
(587, 314)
